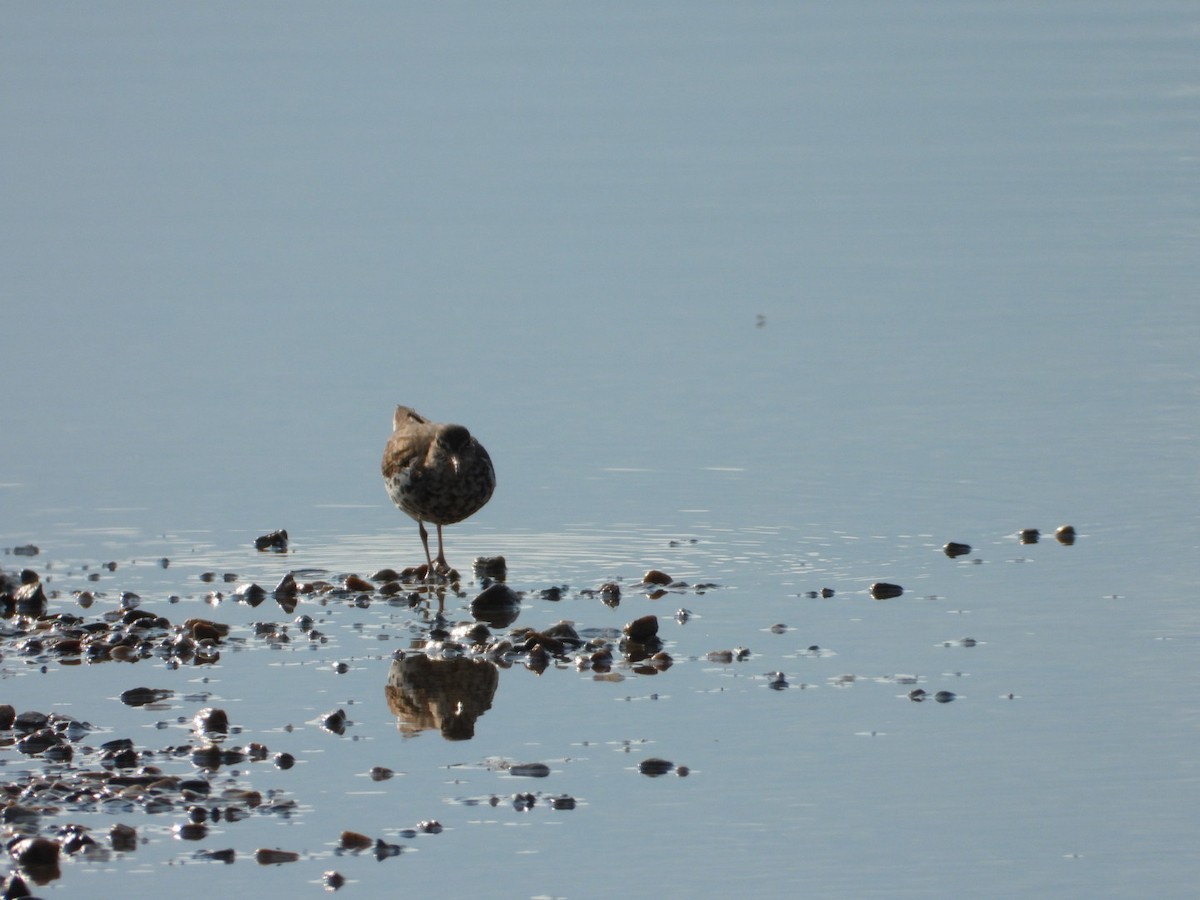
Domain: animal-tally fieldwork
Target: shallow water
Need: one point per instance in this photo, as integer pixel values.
(771, 298)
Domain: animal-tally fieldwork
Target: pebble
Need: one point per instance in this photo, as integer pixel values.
(355, 583)
(33, 853)
(123, 838)
(643, 629)
(333, 880)
(883, 590)
(657, 576)
(276, 541)
(498, 605)
(142, 696)
(494, 568)
(251, 594)
(529, 770)
(211, 721)
(655, 767)
(265, 857)
(354, 841)
(335, 721)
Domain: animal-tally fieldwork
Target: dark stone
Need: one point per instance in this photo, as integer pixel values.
(491, 567)
(655, 767)
(642, 630)
(657, 576)
(497, 605)
(276, 541)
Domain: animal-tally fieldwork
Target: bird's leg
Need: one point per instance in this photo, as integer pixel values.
(443, 566)
(425, 544)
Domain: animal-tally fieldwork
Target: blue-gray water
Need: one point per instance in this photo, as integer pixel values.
(234, 236)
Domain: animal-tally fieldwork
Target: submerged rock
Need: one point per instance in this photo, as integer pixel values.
(529, 770)
(497, 605)
(211, 721)
(335, 721)
(265, 857)
(276, 541)
(494, 568)
(642, 630)
(654, 767)
(657, 576)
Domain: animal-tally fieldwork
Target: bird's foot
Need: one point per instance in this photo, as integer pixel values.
(442, 570)
(439, 574)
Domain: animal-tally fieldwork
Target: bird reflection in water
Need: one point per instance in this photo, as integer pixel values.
(443, 694)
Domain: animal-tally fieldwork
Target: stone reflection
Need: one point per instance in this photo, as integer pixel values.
(443, 694)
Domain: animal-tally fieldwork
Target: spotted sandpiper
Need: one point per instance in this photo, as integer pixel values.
(435, 473)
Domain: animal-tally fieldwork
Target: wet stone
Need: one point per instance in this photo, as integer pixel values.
(268, 857)
(333, 880)
(276, 541)
(354, 841)
(654, 767)
(954, 549)
(529, 770)
(355, 583)
(642, 629)
(123, 837)
(883, 590)
(494, 568)
(251, 594)
(30, 720)
(657, 576)
(286, 588)
(334, 722)
(384, 850)
(190, 831)
(35, 852)
(498, 605)
(211, 721)
(142, 696)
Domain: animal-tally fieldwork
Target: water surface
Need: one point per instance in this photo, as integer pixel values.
(774, 298)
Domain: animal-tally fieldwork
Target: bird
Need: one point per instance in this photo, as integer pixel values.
(436, 473)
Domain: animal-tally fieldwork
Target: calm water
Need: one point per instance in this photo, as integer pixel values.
(774, 297)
